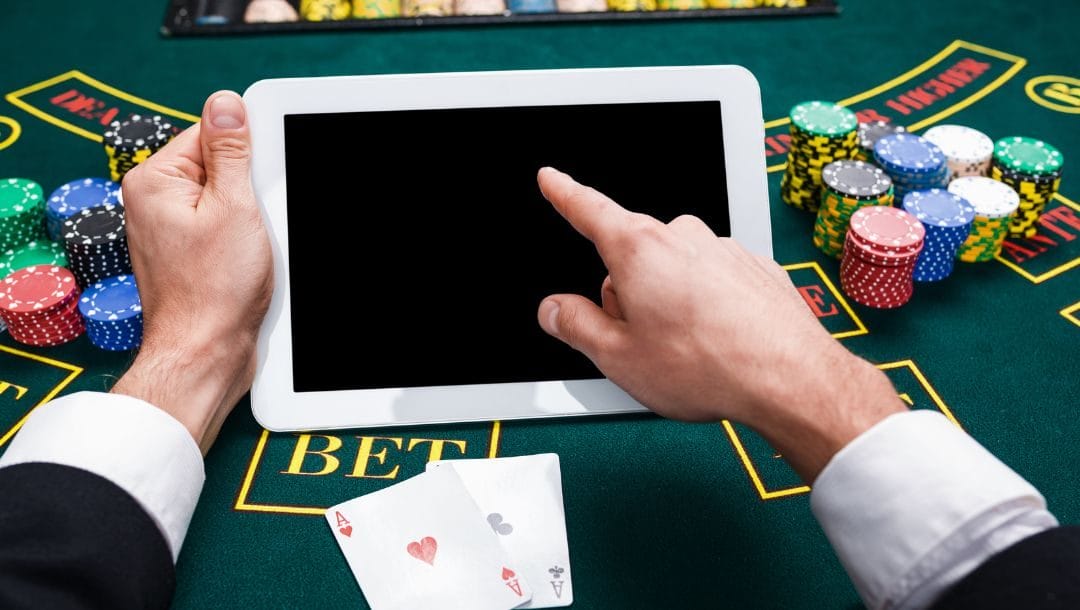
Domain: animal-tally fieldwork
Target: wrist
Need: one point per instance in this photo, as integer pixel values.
(196, 384)
(815, 419)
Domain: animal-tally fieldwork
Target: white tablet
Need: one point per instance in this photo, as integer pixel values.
(412, 245)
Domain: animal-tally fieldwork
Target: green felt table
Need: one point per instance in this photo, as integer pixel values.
(659, 514)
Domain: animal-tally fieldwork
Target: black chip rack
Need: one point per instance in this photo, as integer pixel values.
(186, 18)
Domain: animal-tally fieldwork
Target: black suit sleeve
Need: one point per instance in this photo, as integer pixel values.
(1038, 573)
(72, 539)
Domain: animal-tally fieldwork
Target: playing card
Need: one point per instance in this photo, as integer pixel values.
(521, 500)
(424, 544)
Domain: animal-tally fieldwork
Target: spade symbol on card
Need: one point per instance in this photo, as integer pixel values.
(511, 580)
(424, 550)
(495, 520)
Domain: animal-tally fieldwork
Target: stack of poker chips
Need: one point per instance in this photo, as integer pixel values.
(40, 305)
(22, 212)
(479, 7)
(1033, 169)
(821, 132)
(95, 241)
(376, 9)
(130, 142)
(968, 151)
(913, 163)
(325, 10)
(947, 219)
(880, 254)
(994, 204)
(427, 8)
(680, 5)
(531, 6)
(629, 6)
(32, 253)
(848, 186)
(75, 196)
(870, 133)
(113, 313)
(581, 6)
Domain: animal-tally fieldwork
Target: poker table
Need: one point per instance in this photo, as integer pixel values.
(659, 513)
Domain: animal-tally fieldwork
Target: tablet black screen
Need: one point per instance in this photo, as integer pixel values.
(433, 218)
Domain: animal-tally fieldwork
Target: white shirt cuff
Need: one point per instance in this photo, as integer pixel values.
(132, 443)
(914, 504)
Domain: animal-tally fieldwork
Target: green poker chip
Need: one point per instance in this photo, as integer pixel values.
(823, 118)
(22, 212)
(19, 195)
(33, 253)
(1028, 155)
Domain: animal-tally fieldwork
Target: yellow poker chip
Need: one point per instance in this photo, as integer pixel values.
(325, 10)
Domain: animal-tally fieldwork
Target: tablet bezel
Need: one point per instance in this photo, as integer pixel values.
(274, 403)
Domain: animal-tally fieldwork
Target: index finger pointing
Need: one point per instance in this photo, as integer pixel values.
(588, 210)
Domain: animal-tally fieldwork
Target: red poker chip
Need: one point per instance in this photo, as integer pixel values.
(73, 330)
(60, 312)
(873, 285)
(36, 288)
(51, 338)
(887, 228)
(45, 342)
(877, 256)
(884, 252)
(48, 326)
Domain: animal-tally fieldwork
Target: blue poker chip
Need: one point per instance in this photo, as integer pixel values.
(906, 153)
(937, 207)
(112, 299)
(947, 219)
(82, 194)
(75, 196)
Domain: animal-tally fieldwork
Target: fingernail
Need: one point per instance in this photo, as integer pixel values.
(549, 317)
(227, 111)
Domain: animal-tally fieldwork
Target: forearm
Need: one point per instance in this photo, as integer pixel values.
(810, 414)
(197, 384)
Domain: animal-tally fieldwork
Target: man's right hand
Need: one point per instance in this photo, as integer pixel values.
(697, 328)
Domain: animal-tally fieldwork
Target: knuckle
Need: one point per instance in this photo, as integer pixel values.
(643, 227)
(568, 325)
(133, 183)
(641, 230)
(229, 148)
(688, 220)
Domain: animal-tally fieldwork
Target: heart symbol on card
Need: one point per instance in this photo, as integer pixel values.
(508, 574)
(424, 550)
(346, 531)
(495, 520)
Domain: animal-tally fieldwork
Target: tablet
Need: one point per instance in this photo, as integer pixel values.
(412, 246)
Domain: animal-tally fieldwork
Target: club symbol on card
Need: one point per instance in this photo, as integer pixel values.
(557, 582)
(343, 524)
(424, 550)
(495, 520)
(511, 580)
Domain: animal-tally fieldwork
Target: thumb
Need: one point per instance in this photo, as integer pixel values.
(579, 323)
(226, 144)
